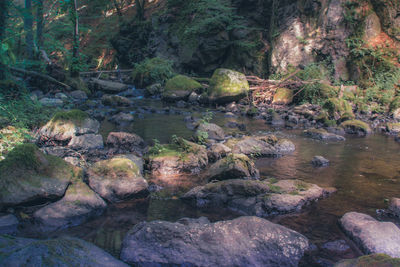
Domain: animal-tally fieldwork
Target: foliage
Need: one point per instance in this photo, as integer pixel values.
(150, 71)
(207, 117)
(11, 137)
(202, 137)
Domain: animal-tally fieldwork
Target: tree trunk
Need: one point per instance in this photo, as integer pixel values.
(75, 48)
(140, 5)
(3, 22)
(28, 25)
(39, 24)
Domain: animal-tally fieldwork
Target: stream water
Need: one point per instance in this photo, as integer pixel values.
(366, 171)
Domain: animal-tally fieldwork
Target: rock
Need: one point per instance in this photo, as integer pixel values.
(320, 161)
(356, 127)
(65, 125)
(245, 241)
(339, 109)
(193, 98)
(285, 146)
(322, 134)
(276, 120)
(86, 142)
(233, 166)
(175, 159)
(337, 246)
(283, 96)
(227, 86)
(393, 128)
(115, 101)
(18, 251)
(29, 176)
(79, 95)
(397, 138)
(61, 96)
(51, 102)
(371, 235)
(396, 114)
(154, 89)
(181, 104)
(217, 151)
(117, 179)
(377, 260)
(259, 198)
(121, 142)
(394, 206)
(179, 88)
(213, 131)
(8, 224)
(122, 117)
(108, 86)
(78, 205)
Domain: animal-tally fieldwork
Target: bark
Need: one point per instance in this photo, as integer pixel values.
(140, 5)
(40, 75)
(75, 49)
(3, 22)
(28, 25)
(40, 24)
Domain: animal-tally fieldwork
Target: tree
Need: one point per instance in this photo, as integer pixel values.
(39, 24)
(75, 45)
(140, 5)
(3, 21)
(28, 25)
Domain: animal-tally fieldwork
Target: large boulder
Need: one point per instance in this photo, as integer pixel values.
(65, 125)
(371, 235)
(121, 142)
(227, 86)
(79, 204)
(86, 142)
(217, 151)
(211, 131)
(233, 166)
(179, 88)
(18, 251)
(27, 175)
(322, 134)
(245, 241)
(356, 127)
(117, 179)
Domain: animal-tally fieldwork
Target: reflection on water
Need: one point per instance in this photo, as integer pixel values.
(366, 171)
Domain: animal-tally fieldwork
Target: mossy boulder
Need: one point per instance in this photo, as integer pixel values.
(227, 86)
(233, 166)
(339, 109)
(115, 101)
(117, 179)
(18, 251)
(66, 124)
(356, 127)
(322, 134)
(211, 131)
(27, 175)
(283, 96)
(373, 260)
(79, 204)
(180, 87)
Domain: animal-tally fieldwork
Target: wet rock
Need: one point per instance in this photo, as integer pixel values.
(371, 235)
(285, 146)
(322, 134)
(115, 101)
(233, 166)
(283, 96)
(61, 96)
(17, 251)
(356, 127)
(393, 128)
(193, 98)
(86, 142)
(230, 115)
(377, 260)
(154, 89)
(337, 247)
(8, 224)
(217, 151)
(121, 142)
(27, 175)
(213, 131)
(394, 206)
(320, 161)
(179, 88)
(308, 110)
(245, 241)
(122, 117)
(117, 179)
(276, 120)
(78, 205)
(227, 86)
(51, 102)
(396, 114)
(108, 86)
(79, 95)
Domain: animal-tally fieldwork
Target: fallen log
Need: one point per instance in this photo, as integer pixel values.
(41, 76)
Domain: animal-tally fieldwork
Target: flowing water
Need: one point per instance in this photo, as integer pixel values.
(365, 171)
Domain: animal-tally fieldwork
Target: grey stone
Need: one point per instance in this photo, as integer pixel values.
(322, 134)
(213, 131)
(79, 95)
(86, 142)
(8, 224)
(51, 102)
(320, 161)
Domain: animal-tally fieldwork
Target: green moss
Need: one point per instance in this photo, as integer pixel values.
(182, 83)
(356, 124)
(275, 189)
(339, 107)
(116, 167)
(395, 104)
(373, 260)
(24, 155)
(78, 84)
(76, 116)
(283, 96)
(225, 83)
(301, 186)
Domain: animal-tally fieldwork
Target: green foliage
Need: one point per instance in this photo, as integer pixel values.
(74, 115)
(22, 155)
(202, 137)
(207, 117)
(150, 71)
(11, 137)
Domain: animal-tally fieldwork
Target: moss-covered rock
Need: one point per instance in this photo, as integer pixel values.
(283, 96)
(393, 128)
(356, 127)
(28, 175)
(373, 260)
(211, 131)
(117, 179)
(179, 88)
(115, 100)
(339, 109)
(78, 84)
(227, 86)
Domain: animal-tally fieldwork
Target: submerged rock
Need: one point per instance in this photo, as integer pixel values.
(28, 175)
(51, 102)
(245, 241)
(233, 166)
(320, 161)
(117, 179)
(371, 235)
(17, 251)
(8, 224)
(322, 134)
(79, 204)
(227, 86)
(212, 131)
(376, 260)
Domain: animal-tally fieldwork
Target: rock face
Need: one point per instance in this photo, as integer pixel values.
(245, 241)
(322, 134)
(179, 88)
(27, 175)
(378, 260)
(260, 198)
(86, 142)
(213, 131)
(227, 86)
(371, 235)
(117, 179)
(8, 224)
(79, 204)
(121, 142)
(53, 252)
(233, 166)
